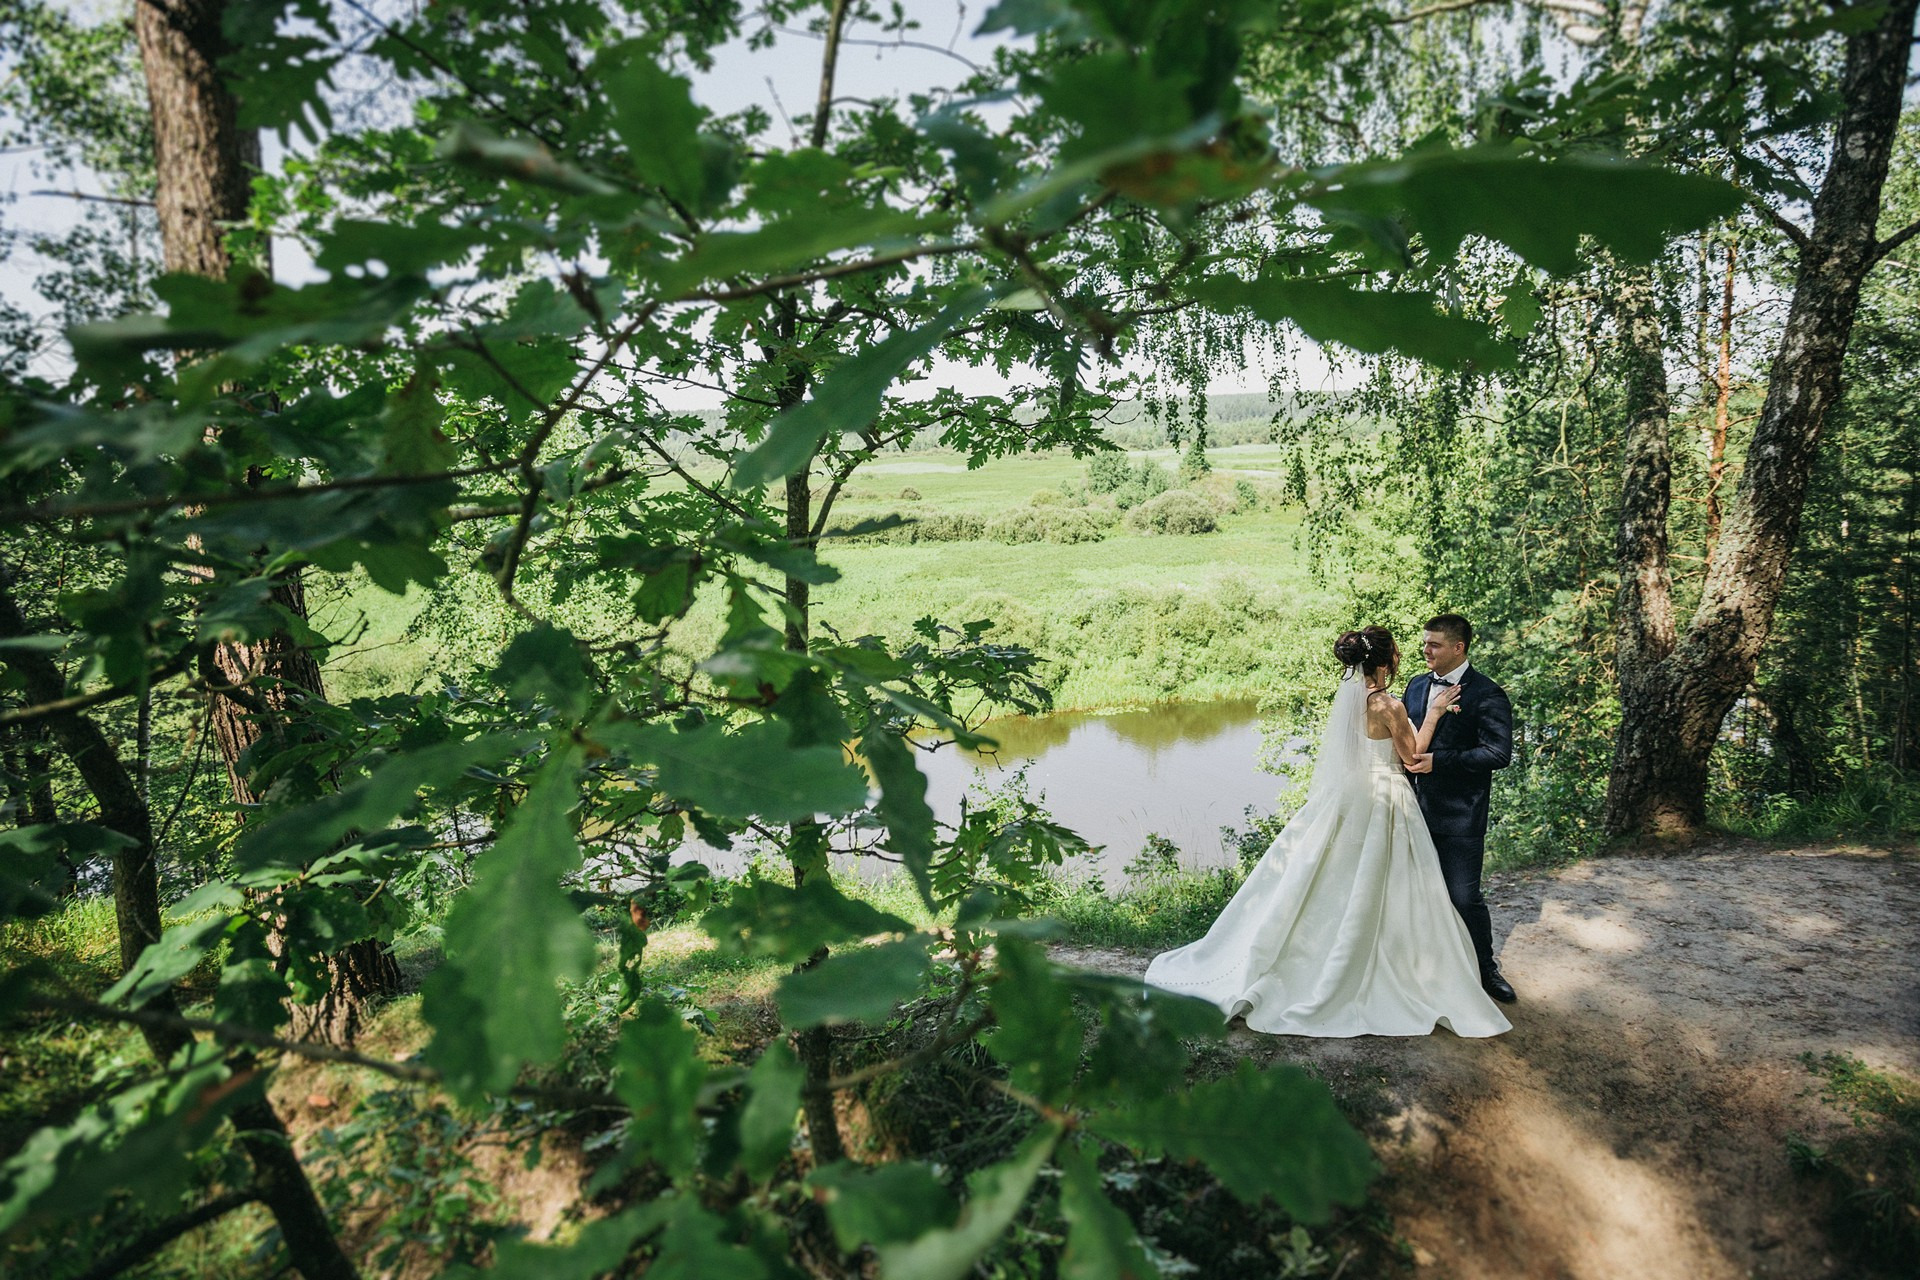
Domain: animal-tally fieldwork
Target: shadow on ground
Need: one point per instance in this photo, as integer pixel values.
(1634, 1122)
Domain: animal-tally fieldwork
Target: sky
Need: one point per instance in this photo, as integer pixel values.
(784, 80)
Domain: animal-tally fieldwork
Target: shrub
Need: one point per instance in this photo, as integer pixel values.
(1218, 492)
(1130, 483)
(933, 526)
(1046, 498)
(1248, 496)
(1158, 859)
(1193, 463)
(1107, 472)
(910, 494)
(945, 526)
(1046, 524)
(1175, 512)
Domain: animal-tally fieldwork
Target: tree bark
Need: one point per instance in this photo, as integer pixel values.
(282, 1182)
(205, 163)
(136, 877)
(1675, 691)
(204, 160)
(1722, 397)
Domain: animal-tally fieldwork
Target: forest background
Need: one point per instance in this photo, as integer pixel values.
(364, 632)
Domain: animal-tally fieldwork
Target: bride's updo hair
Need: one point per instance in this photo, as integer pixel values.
(1369, 649)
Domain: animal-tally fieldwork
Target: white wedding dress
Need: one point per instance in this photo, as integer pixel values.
(1343, 928)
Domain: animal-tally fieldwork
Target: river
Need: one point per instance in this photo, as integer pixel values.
(1180, 770)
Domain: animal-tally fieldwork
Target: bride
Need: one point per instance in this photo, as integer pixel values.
(1344, 928)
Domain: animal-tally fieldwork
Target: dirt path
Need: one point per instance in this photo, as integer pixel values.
(1633, 1123)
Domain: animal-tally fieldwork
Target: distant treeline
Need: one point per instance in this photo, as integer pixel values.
(1240, 418)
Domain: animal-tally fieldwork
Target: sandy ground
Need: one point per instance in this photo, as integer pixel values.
(1633, 1123)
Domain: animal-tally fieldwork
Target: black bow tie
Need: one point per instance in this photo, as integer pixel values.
(1444, 684)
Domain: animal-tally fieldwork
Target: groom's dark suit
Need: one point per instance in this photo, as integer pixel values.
(1467, 747)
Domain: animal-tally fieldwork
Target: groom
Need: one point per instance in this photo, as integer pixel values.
(1455, 778)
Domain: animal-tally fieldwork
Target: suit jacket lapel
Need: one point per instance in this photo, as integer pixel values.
(1457, 727)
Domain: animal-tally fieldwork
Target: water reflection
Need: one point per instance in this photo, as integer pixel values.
(1181, 770)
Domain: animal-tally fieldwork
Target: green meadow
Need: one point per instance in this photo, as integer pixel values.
(1131, 619)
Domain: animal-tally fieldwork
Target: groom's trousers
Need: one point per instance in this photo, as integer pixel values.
(1461, 860)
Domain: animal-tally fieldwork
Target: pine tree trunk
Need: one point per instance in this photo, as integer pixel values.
(203, 159)
(1676, 690)
(205, 163)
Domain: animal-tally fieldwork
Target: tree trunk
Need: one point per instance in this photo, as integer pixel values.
(282, 1182)
(204, 160)
(136, 878)
(258, 688)
(136, 899)
(205, 163)
(358, 975)
(1675, 691)
(1722, 397)
(813, 1046)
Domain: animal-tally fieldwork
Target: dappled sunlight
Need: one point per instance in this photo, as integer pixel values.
(1634, 1122)
(1609, 932)
(1614, 1216)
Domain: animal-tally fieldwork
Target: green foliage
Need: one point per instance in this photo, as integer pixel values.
(882, 1204)
(854, 986)
(510, 941)
(1875, 804)
(1253, 1114)
(1063, 525)
(996, 1194)
(408, 1160)
(1107, 472)
(1177, 513)
(1130, 484)
(554, 228)
(1193, 463)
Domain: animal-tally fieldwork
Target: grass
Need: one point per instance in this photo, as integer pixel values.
(943, 480)
(1126, 621)
(1149, 914)
(1873, 1172)
(1874, 805)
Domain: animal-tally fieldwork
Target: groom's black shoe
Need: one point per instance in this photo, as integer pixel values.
(1496, 986)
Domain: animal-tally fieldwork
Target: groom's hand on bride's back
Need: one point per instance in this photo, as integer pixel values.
(1421, 763)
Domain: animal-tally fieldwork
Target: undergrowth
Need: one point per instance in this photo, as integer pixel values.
(1871, 1172)
(1880, 806)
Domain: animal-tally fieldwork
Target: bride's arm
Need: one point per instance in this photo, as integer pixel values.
(1405, 743)
(1437, 704)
